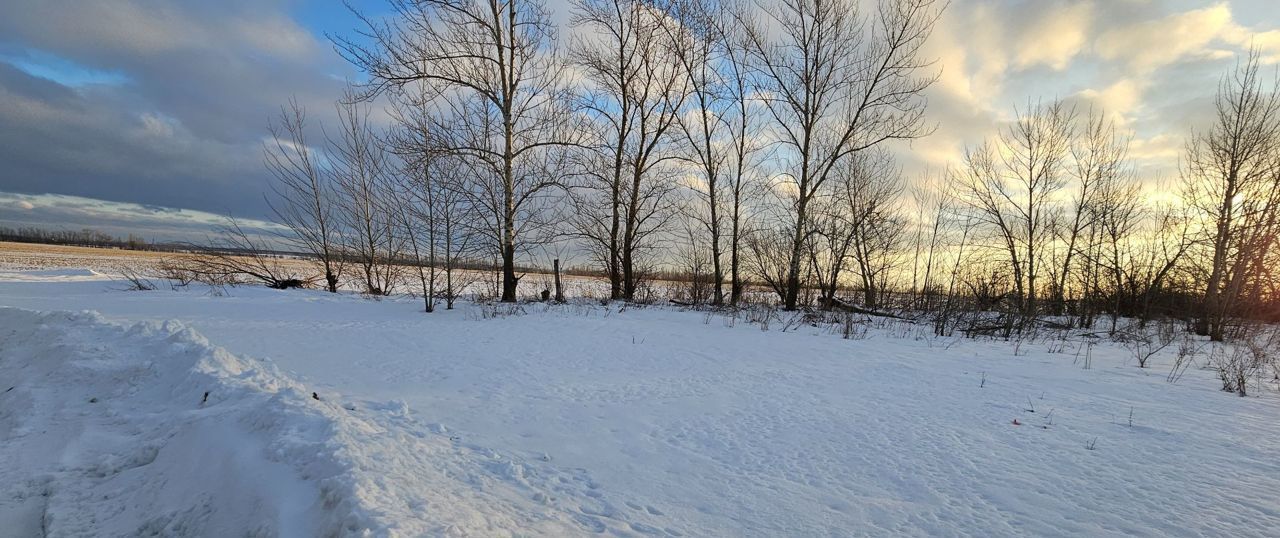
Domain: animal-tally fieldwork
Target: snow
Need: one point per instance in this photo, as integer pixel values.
(580, 419)
(52, 275)
(111, 433)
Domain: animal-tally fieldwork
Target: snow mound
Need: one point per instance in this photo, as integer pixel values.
(151, 430)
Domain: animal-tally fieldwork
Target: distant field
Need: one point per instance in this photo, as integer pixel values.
(32, 256)
(26, 256)
(111, 261)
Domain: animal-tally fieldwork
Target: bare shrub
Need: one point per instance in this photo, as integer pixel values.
(1249, 357)
(135, 279)
(175, 273)
(497, 310)
(1188, 349)
(1144, 342)
(234, 258)
(760, 315)
(852, 327)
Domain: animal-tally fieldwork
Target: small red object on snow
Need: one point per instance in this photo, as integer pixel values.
(1016, 423)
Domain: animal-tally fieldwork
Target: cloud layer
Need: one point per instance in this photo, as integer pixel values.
(165, 104)
(1151, 65)
(158, 103)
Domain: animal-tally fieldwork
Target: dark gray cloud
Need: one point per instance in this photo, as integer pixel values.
(183, 123)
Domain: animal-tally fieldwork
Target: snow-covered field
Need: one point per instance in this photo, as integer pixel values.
(577, 419)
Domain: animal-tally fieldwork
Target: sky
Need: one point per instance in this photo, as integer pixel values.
(150, 116)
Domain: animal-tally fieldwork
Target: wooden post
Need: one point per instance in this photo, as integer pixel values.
(559, 289)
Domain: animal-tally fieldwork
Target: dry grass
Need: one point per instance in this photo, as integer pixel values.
(35, 256)
(32, 256)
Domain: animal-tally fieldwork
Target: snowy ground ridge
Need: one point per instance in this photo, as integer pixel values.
(151, 430)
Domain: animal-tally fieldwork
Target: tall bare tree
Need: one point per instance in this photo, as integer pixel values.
(858, 225)
(700, 43)
(362, 175)
(609, 59)
(496, 61)
(1100, 170)
(1009, 185)
(930, 239)
(838, 82)
(746, 146)
(634, 92)
(432, 199)
(303, 193)
(870, 192)
(1230, 176)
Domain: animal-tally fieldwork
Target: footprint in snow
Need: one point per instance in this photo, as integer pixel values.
(592, 524)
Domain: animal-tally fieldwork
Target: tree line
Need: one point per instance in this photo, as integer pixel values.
(749, 148)
(85, 237)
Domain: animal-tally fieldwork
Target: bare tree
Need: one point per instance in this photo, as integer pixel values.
(433, 200)
(451, 211)
(363, 177)
(1099, 167)
(930, 239)
(1114, 215)
(494, 61)
(701, 43)
(747, 147)
(610, 62)
(838, 82)
(1009, 186)
(693, 254)
(770, 256)
(304, 197)
(432, 211)
(870, 193)
(635, 92)
(414, 215)
(857, 223)
(1169, 236)
(1231, 178)
(829, 247)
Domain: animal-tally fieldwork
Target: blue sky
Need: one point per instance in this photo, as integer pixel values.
(152, 108)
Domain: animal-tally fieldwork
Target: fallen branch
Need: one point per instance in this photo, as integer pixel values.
(841, 305)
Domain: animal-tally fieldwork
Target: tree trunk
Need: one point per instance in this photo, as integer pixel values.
(735, 283)
(793, 267)
(715, 256)
(509, 278)
(628, 272)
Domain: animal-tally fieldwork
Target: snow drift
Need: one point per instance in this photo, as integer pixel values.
(151, 430)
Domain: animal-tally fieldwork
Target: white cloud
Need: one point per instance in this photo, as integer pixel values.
(1120, 101)
(1055, 37)
(1150, 45)
(1268, 42)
